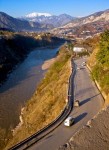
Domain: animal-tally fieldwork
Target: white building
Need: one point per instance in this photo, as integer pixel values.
(78, 49)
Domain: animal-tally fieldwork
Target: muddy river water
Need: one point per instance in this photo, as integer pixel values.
(21, 84)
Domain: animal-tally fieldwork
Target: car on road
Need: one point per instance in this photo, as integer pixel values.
(76, 103)
(83, 64)
(69, 121)
(78, 68)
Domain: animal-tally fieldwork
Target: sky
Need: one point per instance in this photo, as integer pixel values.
(75, 8)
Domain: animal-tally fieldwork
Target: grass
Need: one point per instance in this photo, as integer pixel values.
(49, 99)
(84, 53)
(99, 64)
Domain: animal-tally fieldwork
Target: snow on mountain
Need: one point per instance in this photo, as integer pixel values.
(36, 14)
(11, 23)
(47, 18)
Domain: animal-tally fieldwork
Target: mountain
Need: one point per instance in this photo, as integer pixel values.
(98, 16)
(9, 22)
(77, 27)
(47, 18)
(86, 26)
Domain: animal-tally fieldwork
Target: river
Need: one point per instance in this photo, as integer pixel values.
(21, 84)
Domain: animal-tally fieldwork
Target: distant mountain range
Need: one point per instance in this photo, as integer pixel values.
(86, 26)
(98, 16)
(9, 22)
(63, 24)
(47, 18)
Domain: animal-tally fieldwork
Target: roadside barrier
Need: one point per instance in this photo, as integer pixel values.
(53, 125)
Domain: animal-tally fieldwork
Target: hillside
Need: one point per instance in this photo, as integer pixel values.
(95, 134)
(99, 62)
(86, 26)
(52, 95)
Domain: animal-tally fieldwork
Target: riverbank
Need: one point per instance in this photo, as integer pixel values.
(20, 87)
(45, 66)
(49, 99)
(15, 47)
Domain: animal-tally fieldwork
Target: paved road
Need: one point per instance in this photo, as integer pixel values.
(91, 102)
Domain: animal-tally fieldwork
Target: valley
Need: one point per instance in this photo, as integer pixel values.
(48, 58)
(14, 47)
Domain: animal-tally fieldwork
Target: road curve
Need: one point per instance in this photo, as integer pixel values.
(91, 102)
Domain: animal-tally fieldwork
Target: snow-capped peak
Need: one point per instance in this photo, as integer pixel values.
(36, 14)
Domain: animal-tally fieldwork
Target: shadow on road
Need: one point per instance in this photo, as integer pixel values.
(80, 117)
(82, 68)
(87, 100)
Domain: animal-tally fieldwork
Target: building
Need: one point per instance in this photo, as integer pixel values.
(78, 49)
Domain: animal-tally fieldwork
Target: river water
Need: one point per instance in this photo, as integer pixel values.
(21, 84)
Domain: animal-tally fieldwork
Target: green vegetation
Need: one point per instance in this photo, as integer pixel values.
(91, 43)
(103, 53)
(70, 46)
(84, 53)
(49, 99)
(100, 64)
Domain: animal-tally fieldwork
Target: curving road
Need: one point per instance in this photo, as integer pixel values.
(91, 102)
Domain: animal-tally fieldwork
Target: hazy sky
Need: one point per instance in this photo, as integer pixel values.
(17, 8)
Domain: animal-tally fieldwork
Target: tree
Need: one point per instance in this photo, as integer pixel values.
(103, 54)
